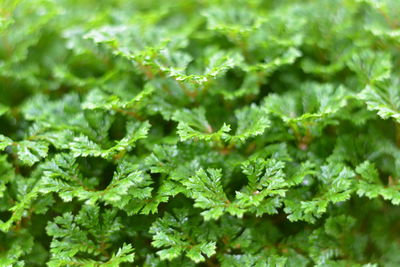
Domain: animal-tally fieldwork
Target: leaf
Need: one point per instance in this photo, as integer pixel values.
(163, 158)
(310, 103)
(98, 99)
(6, 174)
(196, 252)
(336, 185)
(29, 152)
(266, 183)
(71, 235)
(206, 189)
(383, 98)
(371, 66)
(3, 109)
(18, 210)
(124, 254)
(192, 124)
(370, 185)
(216, 64)
(61, 175)
(288, 57)
(252, 121)
(5, 142)
(83, 146)
(175, 242)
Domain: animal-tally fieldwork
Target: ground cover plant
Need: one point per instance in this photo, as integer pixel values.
(199, 133)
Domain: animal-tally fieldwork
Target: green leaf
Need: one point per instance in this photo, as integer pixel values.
(336, 185)
(5, 142)
(73, 234)
(266, 183)
(383, 98)
(196, 252)
(252, 121)
(175, 242)
(206, 189)
(29, 152)
(288, 57)
(310, 103)
(216, 64)
(371, 186)
(98, 99)
(61, 175)
(83, 146)
(192, 124)
(371, 66)
(3, 109)
(18, 210)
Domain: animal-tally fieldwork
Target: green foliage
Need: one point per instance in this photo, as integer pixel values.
(175, 232)
(88, 232)
(199, 133)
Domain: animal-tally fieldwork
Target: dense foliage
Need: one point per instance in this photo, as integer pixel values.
(199, 133)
